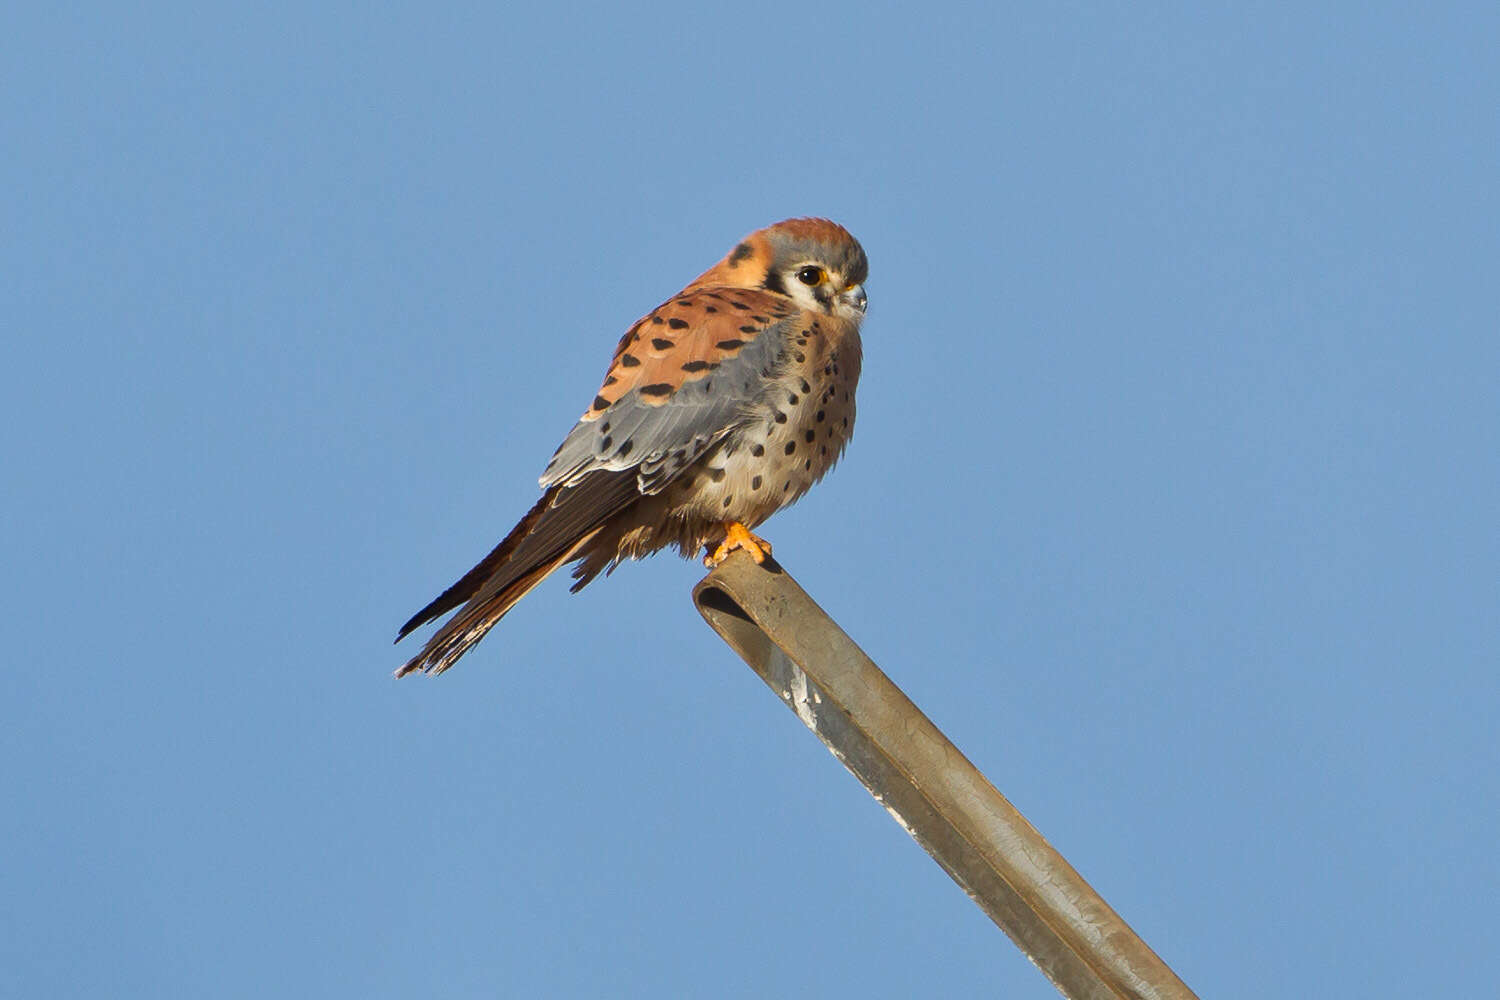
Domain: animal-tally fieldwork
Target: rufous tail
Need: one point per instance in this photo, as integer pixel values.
(486, 593)
(476, 618)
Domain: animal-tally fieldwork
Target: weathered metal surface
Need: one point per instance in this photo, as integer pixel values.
(929, 787)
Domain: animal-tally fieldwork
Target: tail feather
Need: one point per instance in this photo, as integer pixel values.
(476, 578)
(562, 525)
(481, 613)
(471, 624)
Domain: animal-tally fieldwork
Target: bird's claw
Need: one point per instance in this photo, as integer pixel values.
(737, 536)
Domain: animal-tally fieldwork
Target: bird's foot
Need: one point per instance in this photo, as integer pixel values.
(737, 536)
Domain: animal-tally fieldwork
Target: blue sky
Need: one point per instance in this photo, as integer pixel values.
(1173, 500)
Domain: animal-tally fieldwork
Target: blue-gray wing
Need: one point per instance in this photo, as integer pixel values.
(682, 378)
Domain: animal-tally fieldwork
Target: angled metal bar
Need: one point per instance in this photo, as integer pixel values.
(929, 787)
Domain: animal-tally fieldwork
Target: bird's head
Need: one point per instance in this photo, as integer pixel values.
(813, 262)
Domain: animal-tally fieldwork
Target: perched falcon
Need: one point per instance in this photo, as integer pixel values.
(723, 405)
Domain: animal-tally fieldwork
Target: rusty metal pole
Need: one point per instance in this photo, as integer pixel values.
(929, 787)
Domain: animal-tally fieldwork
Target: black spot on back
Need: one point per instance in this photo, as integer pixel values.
(656, 389)
(628, 336)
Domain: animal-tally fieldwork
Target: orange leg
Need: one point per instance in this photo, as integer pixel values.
(737, 536)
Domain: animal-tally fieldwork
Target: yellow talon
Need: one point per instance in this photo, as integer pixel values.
(737, 536)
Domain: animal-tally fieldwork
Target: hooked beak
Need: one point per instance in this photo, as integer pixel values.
(854, 296)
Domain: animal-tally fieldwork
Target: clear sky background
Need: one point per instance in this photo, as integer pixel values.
(1174, 499)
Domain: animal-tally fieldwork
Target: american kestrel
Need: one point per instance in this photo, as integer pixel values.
(721, 406)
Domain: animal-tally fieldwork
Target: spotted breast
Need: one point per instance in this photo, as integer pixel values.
(795, 429)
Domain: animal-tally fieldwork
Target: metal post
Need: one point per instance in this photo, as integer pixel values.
(929, 787)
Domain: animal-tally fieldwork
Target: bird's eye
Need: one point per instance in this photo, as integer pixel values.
(810, 275)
